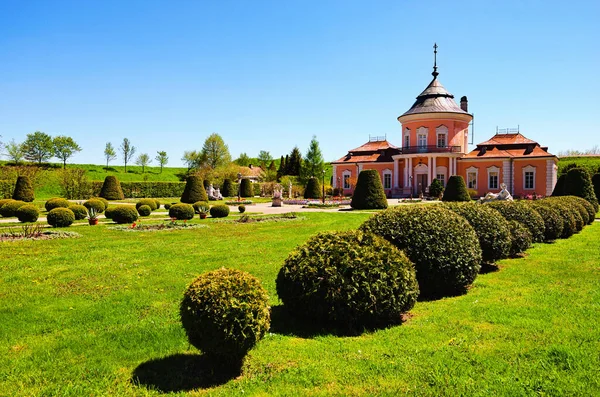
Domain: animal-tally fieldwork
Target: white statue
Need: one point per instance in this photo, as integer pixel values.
(213, 194)
(503, 195)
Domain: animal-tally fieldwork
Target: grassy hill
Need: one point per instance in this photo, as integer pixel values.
(591, 163)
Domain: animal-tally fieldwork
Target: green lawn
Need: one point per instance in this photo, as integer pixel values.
(81, 316)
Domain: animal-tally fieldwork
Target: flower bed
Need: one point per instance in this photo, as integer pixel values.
(289, 216)
(318, 202)
(35, 232)
(155, 227)
(236, 202)
(321, 205)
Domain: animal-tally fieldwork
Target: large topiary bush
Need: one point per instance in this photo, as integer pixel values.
(108, 212)
(579, 183)
(491, 228)
(194, 190)
(349, 280)
(521, 238)
(97, 205)
(565, 212)
(181, 211)
(9, 209)
(57, 202)
(559, 188)
(146, 201)
(312, 189)
(436, 189)
(553, 221)
(123, 214)
(225, 313)
(60, 217)
(5, 201)
(105, 201)
(589, 207)
(521, 212)
(144, 210)
(28, 213)
(369, 193)
(246, 189)
(596, 183)
(228, 189)
(23, 190)
(219, 211)
(111, 189)
(574, 211)
(456, 190)
(80, 211)
(442, 245)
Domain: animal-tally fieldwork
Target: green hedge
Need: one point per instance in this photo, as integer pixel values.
(146, 189)
(523, 213)
(6, 189)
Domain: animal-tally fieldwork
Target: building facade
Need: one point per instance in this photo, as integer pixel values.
(435, 136)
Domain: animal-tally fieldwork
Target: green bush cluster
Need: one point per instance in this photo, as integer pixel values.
(443, 245)
(60, 217)
(553, 222)
(523, 213)
(228, 189)
(123, 214)
(167, 206)
(369, 193)
(56, 202)
(28, 213)
(105, 201)
(225, 313)
(349, 280)
(246, 189)
(144, 210)
(200, 205)
(194, 190)
(111, 189)
(9, 209)
(436, 189)
(146, 201)
(181, 211)
(589, 207)
(96, 204)
(146, 189)
(491, 228)
(219, 211)
(578, 182)
(521, 238)
(456, 189)
(80, 211)
(23, 190)
(108, 212)
(312, 189)
(596, 183)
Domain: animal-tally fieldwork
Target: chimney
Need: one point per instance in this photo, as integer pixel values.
(464, 104)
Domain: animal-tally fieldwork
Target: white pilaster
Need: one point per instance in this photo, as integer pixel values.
(405, 182)
(334, 181)
(395, 176)
(433, 168)
(410, 172)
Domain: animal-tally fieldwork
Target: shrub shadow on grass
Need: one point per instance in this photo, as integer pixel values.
(184, 372)
(488, 268)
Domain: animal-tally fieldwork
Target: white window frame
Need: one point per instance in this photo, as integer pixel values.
(443, 171)
(526, 170)
(346, 175)
(407, 137)
(387, 173)
(490, 171)
(422, 133)
(471, 171)
(440, 131)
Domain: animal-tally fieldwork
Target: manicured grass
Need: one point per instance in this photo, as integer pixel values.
(80, 316)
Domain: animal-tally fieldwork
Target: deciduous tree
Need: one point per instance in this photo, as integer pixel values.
(215, 152)
(109, 153)
(162, 159)
(143, 160)
(15, 151)
(38, 147)
(64, 148)
(128, 150)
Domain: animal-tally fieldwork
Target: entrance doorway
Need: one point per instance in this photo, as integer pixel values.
(421, 183)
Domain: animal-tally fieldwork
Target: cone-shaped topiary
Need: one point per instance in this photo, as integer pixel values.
(225, 313)
(442, 245)
(456, 190)
(111, 189)
(228, 189)
(80, 211)
(520, 238)
(181, 211)
(436, 189)
(348, 280)
(57, 202)
(28, 213)
(60, 217)
(596, 183)
(559, 188)
(194, 190)
(521, 212)
(23, 190)
(579, 183)
(10, 208)
(491, 228)
(312, 190)
(369, 194)
(123, 214)
(246, 189)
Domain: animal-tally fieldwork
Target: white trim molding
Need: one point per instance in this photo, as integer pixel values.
(346, 173)
(551, 171)
(385, 172)
(472, 170)
(441, 130)
(525, 170)
(493, 170)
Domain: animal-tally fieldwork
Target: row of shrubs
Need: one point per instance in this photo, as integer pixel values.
(368, 278)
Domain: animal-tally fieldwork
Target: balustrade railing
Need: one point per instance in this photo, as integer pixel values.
(430, 149)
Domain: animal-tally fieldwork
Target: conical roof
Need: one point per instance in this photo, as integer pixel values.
(435, 98)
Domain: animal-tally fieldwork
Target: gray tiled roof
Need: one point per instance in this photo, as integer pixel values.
(435, 98)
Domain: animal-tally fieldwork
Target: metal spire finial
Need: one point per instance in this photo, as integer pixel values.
(435, 73)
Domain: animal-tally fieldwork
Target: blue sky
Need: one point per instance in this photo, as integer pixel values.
(268, 75)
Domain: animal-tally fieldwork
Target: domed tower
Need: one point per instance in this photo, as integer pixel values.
(434, 136)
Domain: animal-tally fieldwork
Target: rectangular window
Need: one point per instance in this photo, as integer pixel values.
(441, 140)
(406, 140)
(346, 181)
(493, 182)
(472, 180)
(422, 140)
(529, 183)
(387, 181)
(442, 179)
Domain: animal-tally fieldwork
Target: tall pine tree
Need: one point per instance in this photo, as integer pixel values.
(313, 164)
(281, 170)
(295, 162)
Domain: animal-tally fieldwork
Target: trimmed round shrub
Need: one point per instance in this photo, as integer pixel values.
(9, 209)
(579, 183)
(521, 238)
(105, 201)
(559, 188)
(57, 202)
(124, 214)
(181, 211)
(144, 210)
(60, 217)
(553, 221)
(436, 188)
(146, 201)
(589, 208)
(491, 228)
(23, 190)
(521, 212)
(108, 212)
(369, 193)
(219, 211)
(167, 206)
(349, 280)
(28, 213)
(157, 203)
(111, 189)
(441, 244)
(225, 313)
(199, 204)
(456, 190)
(194, 190)
(312, 189)
(228, 189)
(4, 201)
(97, 205)
(80, 211)
(565, 212)
(246, 189)
(241, 208)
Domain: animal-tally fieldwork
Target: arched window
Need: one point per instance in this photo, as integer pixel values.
(442, 136)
